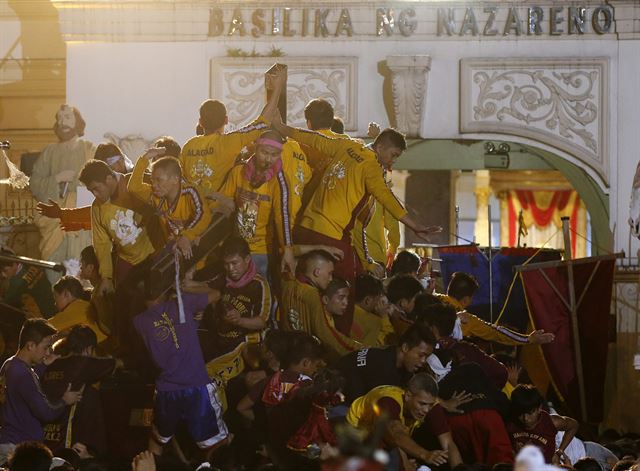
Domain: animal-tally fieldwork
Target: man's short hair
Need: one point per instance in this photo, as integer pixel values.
(525, 399)
(79, 338)
(587, 464)
(235, 245)
(462, 284)
(405, 263)
(415, 335)
(301, 345)
(6, 263)
(391, 137)
(30, 456)
(424, 301)
(403, 287)
(311, 258)
(95, 171)
(319, 113)
(368, 285)
(35, 330)
(423, 382)
(171, 165)
(89, 257)
(442, 316)
(106, 150)
(172, 147)
(334, 286)
(337, 125)
(213, 115)
(71, 284)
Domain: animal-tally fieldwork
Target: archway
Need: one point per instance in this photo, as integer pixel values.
(468, 154)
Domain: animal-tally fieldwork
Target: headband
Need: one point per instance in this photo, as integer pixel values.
(263, 141)
(113, 160)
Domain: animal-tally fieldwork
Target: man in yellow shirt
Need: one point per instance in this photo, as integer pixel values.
(319, 117)
(301, 306)
(182, 209)
(460, 291)
(116, 223)
(355, 173)
(72, 308)
(261, 193)
(371, 325)
(404, 410)
(207, 159)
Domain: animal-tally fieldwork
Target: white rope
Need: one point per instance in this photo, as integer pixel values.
(178, 290)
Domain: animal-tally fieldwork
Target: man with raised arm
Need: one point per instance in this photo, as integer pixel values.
(354, 174)
(207, 159)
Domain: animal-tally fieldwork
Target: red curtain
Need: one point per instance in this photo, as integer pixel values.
(593, 283)
(562, 202)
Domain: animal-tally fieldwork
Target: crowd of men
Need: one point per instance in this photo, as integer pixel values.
(305, 340)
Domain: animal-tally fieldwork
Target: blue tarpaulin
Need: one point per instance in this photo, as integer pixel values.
(474, 260)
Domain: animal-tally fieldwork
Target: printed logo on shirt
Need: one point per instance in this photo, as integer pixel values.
(200, 152)
(164, 329)
(523, 438)
(200, 172)
(294, 319)
(361, 357)
(53, 432)
(333, 174)
(354, 155)
(247, 219)
(299, 187)
(124, 227)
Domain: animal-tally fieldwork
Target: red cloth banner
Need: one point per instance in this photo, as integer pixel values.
(549, 309)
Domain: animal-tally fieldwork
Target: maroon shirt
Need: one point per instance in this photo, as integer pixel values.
(543, 435)
(466, 352)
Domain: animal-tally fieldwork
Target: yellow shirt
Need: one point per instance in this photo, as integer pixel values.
(76, 312)
(473, 326)
(206, 160)
(353, 174)
(260, 211)
(297, 171)
(375, 233)
(301, 309)
(317, 159)
(119, 227)
(370, 329)
(190, 215)
(362, 413)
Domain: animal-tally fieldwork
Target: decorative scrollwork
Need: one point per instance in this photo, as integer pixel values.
(240, 85)
(133, 145)
(563, 101)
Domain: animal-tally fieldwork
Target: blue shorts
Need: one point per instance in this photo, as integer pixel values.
(199, 407)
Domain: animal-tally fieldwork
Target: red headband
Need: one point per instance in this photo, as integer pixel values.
(263, 141)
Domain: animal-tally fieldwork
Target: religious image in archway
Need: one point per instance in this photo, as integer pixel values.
(540, 223)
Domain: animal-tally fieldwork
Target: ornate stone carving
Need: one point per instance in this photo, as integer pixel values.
(239, 83)
(409, 87)
(560, 102)
(133, 145)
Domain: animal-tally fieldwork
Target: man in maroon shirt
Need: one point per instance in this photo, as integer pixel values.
(479, 431)
(531, 425)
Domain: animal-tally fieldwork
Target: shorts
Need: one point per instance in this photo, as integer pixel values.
(199, 407)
